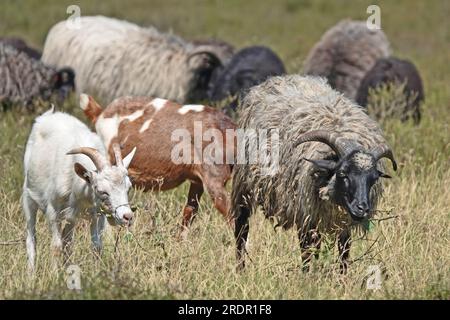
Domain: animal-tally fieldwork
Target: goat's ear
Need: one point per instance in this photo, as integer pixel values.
(324, 165)
(91, 108)
(82, 172)
(128, 158)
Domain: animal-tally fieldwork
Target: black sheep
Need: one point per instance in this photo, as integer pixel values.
(247, 68)
(394, 70)
(24, 80)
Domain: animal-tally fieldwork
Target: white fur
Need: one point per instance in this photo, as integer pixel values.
(159, 103)
(145, 126)
(191, 107)
(84, 101)
(52, 185)
(108, 128)
(114, 58)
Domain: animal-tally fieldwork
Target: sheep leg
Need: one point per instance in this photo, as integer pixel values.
(344, 243)
(190, 210)
(310, 242)
(30, 209)
(241, 233)
(97, 227)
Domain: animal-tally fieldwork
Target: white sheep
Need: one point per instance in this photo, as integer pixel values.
(66, 173)
(114, 58)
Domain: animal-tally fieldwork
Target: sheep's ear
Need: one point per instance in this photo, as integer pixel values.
(82, 172)
(325, 165)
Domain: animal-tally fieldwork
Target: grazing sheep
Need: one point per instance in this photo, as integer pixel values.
(329, 151)
(248, 67)
(223, 50)
(159, 128)
(21, 46)
(393, 70)
(113, 58)
(24, 80)
(345, 53)
(66, 173)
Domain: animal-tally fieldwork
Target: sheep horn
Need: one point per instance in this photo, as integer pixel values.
(339, 147)
(384, 151)
(97, 158)
(204, 50)
(117, 154)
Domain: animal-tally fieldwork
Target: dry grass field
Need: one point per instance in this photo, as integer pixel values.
(411, 248)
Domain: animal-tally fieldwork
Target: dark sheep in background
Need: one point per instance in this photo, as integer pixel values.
(21, 46)
(345, 53)
(394, 70)
(247, 68)
(24, 80)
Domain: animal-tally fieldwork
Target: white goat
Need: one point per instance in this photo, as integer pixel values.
(65, 186)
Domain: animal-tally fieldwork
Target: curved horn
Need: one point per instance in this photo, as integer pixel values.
(97, 158)
(117, 154)
(325, 137)
(384, 151)
(205, 50)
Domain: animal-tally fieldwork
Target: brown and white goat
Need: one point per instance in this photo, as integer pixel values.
(149, 124)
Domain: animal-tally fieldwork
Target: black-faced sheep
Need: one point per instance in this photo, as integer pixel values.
(328, 170)
(248, 67)
(114, 58)
(345, 53)
(397, 71)
(24, 80)
(21, 46)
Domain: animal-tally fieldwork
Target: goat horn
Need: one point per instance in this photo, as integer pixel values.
(339, 147)
(384, 151)
(117, 154)
(97, 158)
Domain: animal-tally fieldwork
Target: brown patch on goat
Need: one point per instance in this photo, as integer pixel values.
(152, 168)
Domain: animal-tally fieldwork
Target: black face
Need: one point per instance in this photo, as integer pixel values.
(61, 85)
(202, 77)
(352, 189)
(355, 176)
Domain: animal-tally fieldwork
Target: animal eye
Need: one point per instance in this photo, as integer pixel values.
(104, 194)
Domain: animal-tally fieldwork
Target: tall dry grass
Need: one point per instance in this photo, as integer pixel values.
(411, 248)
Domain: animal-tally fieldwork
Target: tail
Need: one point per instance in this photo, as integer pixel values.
(49, 111)
(91, 108)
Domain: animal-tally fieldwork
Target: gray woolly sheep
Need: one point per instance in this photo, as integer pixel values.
(248, 67)
(21, 46)
(328, 163)
(24, 80)
(393, 70)
(345, 53)
(114, 58)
